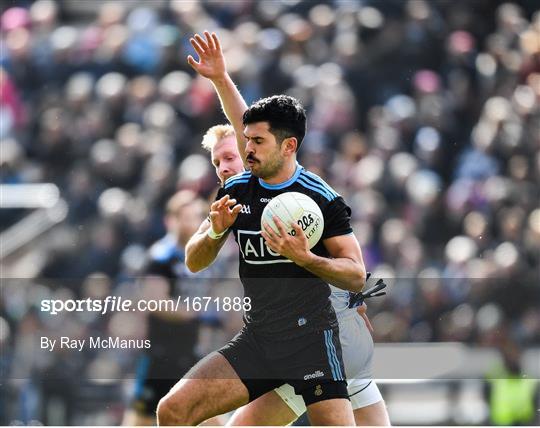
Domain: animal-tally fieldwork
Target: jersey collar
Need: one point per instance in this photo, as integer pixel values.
(287, 183)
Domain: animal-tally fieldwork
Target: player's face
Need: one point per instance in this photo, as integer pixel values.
(263, 153)
(226, 159)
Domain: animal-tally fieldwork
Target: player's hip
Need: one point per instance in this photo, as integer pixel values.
(356, 345)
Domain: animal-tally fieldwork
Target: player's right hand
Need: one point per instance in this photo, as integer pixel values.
(223, 213)
(211, 62)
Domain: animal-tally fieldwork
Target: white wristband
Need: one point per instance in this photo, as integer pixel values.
(213, 235)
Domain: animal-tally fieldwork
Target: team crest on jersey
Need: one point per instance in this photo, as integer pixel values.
(245, 209)
(255, 251)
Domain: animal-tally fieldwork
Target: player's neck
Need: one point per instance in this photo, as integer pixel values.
(284, 174)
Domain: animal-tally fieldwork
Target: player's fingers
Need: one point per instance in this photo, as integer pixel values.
(191, 61)
(221, 203)
(231, 202)
(298, 230)
(209, 41)
(367, 321)
(362, 311)
(214, 206)
(236, 209)
(197, 47)
(269, 231)
(280, 226)
(223, 200)
(269, 240)
(216, 41)
(202, 43)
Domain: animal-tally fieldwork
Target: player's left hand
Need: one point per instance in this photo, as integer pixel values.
(211, 62)
(295, 248)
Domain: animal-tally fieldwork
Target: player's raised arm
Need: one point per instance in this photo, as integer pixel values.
(212, 65)
(204, 246)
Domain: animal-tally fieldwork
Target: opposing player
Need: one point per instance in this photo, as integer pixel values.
(290, 333)
(173, 335)
(282, 406)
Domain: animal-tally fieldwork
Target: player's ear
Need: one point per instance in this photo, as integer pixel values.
(289, 145)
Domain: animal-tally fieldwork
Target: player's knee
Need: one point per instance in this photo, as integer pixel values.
(165, 412)
(174, 410)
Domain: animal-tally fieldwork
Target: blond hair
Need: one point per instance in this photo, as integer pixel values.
(216, 133)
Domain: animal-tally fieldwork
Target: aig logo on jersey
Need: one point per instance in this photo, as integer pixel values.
(245, 209)
(255, 251)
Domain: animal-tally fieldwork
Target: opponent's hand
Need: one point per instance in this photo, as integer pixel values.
(211, 62)
(362, 311)
(295, 248)
(223, 213)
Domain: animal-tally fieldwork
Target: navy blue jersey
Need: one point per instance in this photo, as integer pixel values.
(286, 299)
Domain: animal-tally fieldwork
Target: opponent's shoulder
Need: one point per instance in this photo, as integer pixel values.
(314, 183)
(237, 181)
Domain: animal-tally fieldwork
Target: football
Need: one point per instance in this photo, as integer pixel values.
(294, 207)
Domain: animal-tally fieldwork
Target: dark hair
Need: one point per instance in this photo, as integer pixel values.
(284, 114)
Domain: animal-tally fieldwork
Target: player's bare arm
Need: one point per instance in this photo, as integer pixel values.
(212, 65)
(203, 247)
(344, 270)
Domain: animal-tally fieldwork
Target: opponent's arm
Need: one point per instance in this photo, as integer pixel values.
(345, 270)
(212, 65)
(203, 247)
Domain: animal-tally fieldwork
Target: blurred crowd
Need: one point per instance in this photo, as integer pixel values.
(424, 115)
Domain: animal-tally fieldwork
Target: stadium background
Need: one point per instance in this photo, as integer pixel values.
(423, 115)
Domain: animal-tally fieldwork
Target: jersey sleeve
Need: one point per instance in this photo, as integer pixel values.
(337, 218)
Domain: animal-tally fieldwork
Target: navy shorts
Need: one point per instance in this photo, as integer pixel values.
(312, 364)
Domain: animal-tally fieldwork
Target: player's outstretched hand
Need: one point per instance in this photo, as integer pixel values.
(295, 247)
(223, 213)
(211, 62)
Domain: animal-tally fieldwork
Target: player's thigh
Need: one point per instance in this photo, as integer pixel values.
(210, 388)
(337, 411)
(269, 409)
(363, 393)
(372, 415)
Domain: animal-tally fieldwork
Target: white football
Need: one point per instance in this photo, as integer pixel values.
(294, 207)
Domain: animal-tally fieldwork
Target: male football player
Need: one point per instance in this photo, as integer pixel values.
(291, 332)
(282, 406)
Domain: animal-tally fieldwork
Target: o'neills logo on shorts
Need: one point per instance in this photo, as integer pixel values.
(315, 375)
(255, 251)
